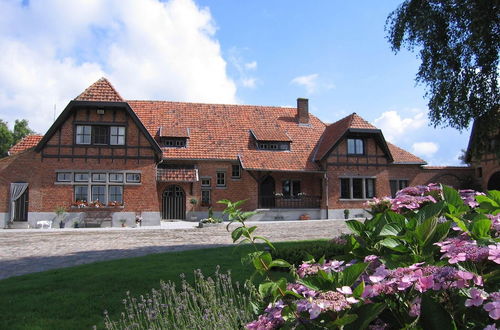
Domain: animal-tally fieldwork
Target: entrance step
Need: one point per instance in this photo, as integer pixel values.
(19, 225)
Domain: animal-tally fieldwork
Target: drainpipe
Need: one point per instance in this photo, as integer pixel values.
(326, 190)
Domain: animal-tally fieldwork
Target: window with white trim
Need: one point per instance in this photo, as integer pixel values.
(206, 182)
(115, 194)
(115, 177)
(81, 193)
(98, 193)
(133, 177)
(117, 135)
(98, 177)
(64, 177)
(357, 188)
(81, 177)
(83, 134)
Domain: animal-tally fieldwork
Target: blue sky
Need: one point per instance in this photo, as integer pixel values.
(253, 52)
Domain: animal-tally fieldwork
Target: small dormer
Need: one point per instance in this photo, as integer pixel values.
(273, 139)
(173, 137)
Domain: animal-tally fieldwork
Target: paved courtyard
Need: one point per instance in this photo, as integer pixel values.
(33, 250)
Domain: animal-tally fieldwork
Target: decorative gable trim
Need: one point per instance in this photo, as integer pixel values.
(72, 105)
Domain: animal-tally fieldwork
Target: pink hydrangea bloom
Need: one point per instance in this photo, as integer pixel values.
(493, 309)
(494, 253)
(477, 297)
(415, 307)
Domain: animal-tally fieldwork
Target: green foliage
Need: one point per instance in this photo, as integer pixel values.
(9, 138)
(459, 44)
(299, 253)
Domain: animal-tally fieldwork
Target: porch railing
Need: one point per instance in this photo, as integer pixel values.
(285, 202)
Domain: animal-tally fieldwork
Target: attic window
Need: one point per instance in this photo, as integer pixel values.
(173, 142)
(355, 147)
(274, 146)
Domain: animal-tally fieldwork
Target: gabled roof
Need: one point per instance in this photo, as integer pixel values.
(402, 156)
(221, 132)
(101, 91)
(27, 142)
(351, 124)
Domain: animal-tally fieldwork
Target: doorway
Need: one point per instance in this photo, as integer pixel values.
(174, 203)
(266, 192)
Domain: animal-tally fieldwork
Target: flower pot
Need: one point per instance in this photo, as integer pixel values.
(61, 224)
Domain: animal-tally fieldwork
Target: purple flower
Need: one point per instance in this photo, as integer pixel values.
(490, 327)
(415, 307)
(477, 298)
(494, 253)
(494, 309)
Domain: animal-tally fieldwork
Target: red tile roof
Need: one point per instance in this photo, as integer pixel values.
(169, 131)
(219, 131)
(335, 131)
(102, 91)
(401, 156)
(270, 134)
(177, 175)
(27, 142)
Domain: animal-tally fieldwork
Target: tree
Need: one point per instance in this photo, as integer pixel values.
(21, 129)
(6, 139)
(459, 42)
(9, 138)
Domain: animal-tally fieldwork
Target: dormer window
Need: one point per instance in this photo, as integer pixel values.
(271, 139)
(355, 147)
(173, 142)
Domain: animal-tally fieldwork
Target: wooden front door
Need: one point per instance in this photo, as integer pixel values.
(174, 203)
(21, 207)
(266, 192)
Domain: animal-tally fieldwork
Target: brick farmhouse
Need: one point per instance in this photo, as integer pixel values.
(153, 159)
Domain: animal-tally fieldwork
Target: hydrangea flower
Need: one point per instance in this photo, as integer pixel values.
(494, 253)
(272, 318)
(477, 297)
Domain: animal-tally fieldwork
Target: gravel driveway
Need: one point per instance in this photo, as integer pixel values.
(35, 250)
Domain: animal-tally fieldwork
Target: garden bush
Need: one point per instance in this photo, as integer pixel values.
(427, 259)
(305, 251)
(211, 303)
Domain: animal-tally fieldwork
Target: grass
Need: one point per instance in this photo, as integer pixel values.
(75, 297)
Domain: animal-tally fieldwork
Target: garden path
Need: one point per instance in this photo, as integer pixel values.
(29, 251)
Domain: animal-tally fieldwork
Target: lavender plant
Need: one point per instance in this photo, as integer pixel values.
(211, 303)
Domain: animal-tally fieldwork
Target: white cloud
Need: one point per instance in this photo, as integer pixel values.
(425, 148)
(249, 82)
(312, 83)
(148, 49)
(394, 127)
(251, 65)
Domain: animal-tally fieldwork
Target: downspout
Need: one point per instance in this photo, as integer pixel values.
(326, 190)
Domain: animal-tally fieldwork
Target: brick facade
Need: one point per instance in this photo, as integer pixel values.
(309, 155)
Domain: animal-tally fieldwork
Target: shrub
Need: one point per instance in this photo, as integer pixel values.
(212, 303)
(298, 253)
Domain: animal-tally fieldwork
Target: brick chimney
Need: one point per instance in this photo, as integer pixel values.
(303, 111)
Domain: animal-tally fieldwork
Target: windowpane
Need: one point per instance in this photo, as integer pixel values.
(221, 179)
(345, 188)
(133, 177)
(287, 188)
(394, 187)
(98, 177)
(205, 197)
(351, 146)
(355, 146)
(357, 188)
(83, 134)
(295, 188)
(117, 135)
(64, 177)
(403, 184)
(116, 194)
(81, 177)
(370, 188)
(81, 193)
(236, 171)
(99, 194)
(359, 146)
(115, 177)
(100, 134)
(205, 182)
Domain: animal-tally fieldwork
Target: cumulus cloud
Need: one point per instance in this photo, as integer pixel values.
(243, 70)
(311, 83)
(251, 65)
(425, 148)
(52, 50)
(394, 126)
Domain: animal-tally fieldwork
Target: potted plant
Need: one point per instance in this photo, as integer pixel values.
(60, 215)
(193, 201)
(305, 216)
(123, 222)
(75, 224)
(346, 214)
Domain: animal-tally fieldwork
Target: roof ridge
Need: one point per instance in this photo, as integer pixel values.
(217, 104)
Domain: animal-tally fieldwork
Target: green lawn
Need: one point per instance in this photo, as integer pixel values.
(75, 297)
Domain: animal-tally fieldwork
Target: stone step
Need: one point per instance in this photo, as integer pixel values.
(19, 225)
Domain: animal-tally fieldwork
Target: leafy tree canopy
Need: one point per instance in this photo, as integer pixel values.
(9, 138)
(459, 42)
